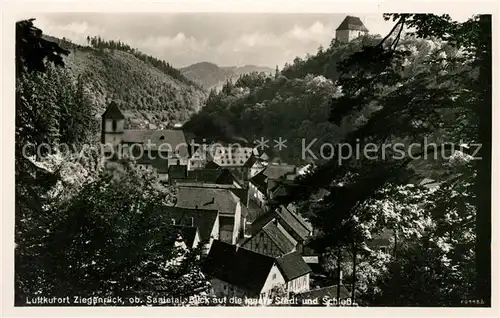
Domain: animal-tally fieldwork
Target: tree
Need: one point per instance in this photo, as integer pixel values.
(407, 108)
(113, 238)
(33, 52)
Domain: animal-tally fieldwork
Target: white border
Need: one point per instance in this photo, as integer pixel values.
(14, 10)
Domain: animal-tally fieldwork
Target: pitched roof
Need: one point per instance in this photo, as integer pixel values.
(238, 266)
(203, 198)
(204, 220)
(292, 266)
(113, 112)
(293, 221)
(352, 23)
(171, 140)
(259, 181)
(217, 176)
(281, 241)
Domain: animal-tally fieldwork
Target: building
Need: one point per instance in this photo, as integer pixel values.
(150, 149)
(238, 272)
(289, 222)
(231, 219)
(295, 272)
(350, 29)
(205, 220)
(271, 241)
(270, 183)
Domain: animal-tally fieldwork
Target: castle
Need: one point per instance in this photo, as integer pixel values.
(350, 29)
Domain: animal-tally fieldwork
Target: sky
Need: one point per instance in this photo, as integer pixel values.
(226, 39)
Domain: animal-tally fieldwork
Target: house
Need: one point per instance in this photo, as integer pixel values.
(205, 220)
(270, 241)
(270, 183)
(236, 159)
(289, 222)
(236, 271)
(231, 218)
(350, 29)
(151, 149)
(295, 272)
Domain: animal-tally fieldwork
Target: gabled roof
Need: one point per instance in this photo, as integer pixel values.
(113, 112)
(170, 140)
(240, 267)
(206, 198)
(217, 176)
(204, 220)
(281, 241)
(352, 23)
(292, 266)
(259, 181)
(294, 221)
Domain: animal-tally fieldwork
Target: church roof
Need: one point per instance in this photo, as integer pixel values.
(113, 112)
(352, 23)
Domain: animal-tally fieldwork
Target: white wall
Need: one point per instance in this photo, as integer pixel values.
(273, 279)
(237, 222)
(299, 285)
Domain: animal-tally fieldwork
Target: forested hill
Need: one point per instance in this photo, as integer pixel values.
(149, 89)
(210, 75)
(296, 103)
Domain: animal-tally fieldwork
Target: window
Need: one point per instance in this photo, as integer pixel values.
(162, 137)
(113, 125)
(256, 245)
(274, 276)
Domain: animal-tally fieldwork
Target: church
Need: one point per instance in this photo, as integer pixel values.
(150, 149)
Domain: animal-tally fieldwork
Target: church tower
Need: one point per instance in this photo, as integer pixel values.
(112, 127)
(350, 29)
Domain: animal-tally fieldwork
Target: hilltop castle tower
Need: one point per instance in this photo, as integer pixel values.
(350, 29)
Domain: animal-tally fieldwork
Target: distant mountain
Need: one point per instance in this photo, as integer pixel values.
(210, 75)
(148, 89)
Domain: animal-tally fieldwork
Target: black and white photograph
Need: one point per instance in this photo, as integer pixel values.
(253, 159)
